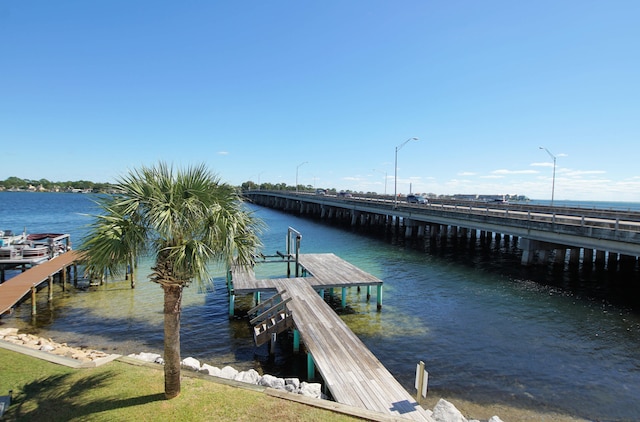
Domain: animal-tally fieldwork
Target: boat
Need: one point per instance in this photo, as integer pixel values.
(31, 249)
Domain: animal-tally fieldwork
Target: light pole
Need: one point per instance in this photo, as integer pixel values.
(553, 181)
(297, 167)
(385, 180)
(395, 177)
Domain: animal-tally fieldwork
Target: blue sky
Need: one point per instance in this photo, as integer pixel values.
(254, 89)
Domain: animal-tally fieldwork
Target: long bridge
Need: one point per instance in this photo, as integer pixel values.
(606, 237)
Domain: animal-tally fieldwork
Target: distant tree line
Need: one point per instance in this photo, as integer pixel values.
(16, 183)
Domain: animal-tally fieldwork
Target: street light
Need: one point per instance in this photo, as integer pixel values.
(395, 177)
(297, 167)
(385, 179)
(553, 181)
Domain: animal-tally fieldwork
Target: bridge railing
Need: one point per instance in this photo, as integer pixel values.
(570, 216)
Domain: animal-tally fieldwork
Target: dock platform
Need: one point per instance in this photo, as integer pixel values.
(16, 288)
(351, 372)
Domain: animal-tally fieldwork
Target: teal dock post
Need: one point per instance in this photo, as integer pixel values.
(379, 298)
(368, 292)
(232, 296)
(311, 367)
(296, 340)
(344, 297)
(232, 302)
(321, 292)
(256, 298)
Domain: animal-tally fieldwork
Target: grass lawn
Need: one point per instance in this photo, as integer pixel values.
(119, 391)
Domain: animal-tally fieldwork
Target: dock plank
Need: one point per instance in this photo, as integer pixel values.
(329, 270)
(353, 375)
(16, 288)
(351, 372)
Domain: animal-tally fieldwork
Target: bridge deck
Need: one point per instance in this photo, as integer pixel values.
(353, 375)
(16, 288)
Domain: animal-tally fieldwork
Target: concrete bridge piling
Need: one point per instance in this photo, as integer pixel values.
(544, 235)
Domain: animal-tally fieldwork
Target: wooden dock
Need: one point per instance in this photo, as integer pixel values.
(352, 374)
(16, 288)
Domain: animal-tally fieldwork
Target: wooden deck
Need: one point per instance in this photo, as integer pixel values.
(352, 374)
(324, 270)
(328, 270)
(16, 288)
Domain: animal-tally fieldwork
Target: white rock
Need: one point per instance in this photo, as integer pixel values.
(159, 360)
(294, 382)
(271, 381)
(249, 377)
(210, 370)
(495, 419)
(147, 357)
(311, 389)
(8, 332)
(447, 412)
(228, 373)
(47, 348)
(191, 363)
(291, 388)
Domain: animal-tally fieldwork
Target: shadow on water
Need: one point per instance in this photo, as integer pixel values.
(619, 286)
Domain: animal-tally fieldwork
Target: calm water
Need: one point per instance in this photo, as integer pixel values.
(487, 329)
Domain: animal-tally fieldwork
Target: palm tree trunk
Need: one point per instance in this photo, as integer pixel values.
(172, 303)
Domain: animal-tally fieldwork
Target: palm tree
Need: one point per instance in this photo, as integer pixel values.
(186, 219)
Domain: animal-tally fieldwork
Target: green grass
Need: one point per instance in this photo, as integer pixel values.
(119, 391)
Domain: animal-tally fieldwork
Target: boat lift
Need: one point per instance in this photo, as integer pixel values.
(291, 254)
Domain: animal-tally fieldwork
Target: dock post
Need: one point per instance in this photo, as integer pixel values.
(321, 292)
(311, 367)
(256, 298)
(232, 302)
(64, 278)
(50, 283)
(296, 340)
(229, 282)
(368, 292)
(379, 296)
(272, 344)
(33, 301)
(344, 297)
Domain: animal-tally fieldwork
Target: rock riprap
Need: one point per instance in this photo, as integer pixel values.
(31, 341)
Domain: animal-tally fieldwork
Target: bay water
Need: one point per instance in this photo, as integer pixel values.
(488, 329)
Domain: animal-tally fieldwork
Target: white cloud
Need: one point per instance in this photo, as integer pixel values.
(504, 171)
(576, 173)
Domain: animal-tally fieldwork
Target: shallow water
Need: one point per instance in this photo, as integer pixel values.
(487, 329)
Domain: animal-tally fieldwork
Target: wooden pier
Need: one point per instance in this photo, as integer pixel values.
(16, 288)
(352, 374)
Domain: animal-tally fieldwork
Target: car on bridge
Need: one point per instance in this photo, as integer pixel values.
(343, 194)
(416, 199)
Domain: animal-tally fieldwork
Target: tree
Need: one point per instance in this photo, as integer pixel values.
(186, 219)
